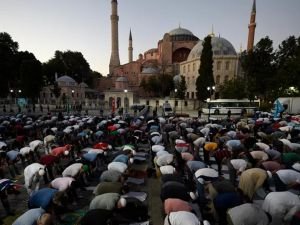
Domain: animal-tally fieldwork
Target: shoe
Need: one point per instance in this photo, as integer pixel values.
(10, 213)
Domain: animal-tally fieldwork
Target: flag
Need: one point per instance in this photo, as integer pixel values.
(278, 109)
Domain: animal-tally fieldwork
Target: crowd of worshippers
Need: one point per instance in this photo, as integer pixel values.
(60, 155)
(263, 160)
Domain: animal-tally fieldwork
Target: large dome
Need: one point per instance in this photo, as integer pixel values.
(65, 79)
(181, 34)
(180, 31)
(220, 46)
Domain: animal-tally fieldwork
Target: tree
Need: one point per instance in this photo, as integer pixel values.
(259, 67)
(166, 84)
(205, 78)
(153, 86)
(31, 78)
(8, 70)
(234, 88)
(288, 67)
(69, 63)
(56, 90)
(181, 88)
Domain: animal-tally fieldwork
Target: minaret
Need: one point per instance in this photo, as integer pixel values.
(251, 27)
(114, 58)
(130, 49)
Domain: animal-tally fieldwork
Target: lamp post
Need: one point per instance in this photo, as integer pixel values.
(15, 94)
(175, 103)
(126, 101)
(211, 90)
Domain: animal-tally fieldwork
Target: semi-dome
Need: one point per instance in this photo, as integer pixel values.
(83, 85)
(220, 46)
(121, 79)
(150, 70)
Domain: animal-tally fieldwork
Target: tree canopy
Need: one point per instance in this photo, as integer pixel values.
(205, 78)
(270, 74)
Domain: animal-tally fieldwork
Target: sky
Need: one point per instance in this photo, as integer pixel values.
(44, 26)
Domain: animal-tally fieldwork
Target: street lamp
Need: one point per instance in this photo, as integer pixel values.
(126, 100)
(175, 103)
(211, 90)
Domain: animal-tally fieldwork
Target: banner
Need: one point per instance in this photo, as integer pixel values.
(278, 109)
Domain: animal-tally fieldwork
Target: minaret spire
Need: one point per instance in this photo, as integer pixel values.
(130, 49)
(114, 58)
(251, 27)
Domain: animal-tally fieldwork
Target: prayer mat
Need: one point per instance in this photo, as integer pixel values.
(138, 195)
(135, 180)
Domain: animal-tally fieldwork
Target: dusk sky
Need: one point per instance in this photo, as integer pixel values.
(44, 26)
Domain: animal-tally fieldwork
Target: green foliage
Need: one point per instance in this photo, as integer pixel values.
(56, 90)
(259, 67)
(69, 63)
(205, 78)
(288, 67)
(8, 69)
(235, 88)
(165, 85)
(31, 78)
(181, 88)
(158, 85)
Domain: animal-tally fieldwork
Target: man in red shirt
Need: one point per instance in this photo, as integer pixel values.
(50, 162)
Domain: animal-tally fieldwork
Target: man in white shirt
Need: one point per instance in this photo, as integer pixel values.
(76, 171)
(286, 179)
(181, 218)
(247, 214)
(235, 168)
(66, 184)
(281, 206)
(32, 176)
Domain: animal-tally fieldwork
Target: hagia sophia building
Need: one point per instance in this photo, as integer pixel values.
(177, 53)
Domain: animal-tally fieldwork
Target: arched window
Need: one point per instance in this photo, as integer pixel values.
(194, 67)
(218, 79)
(226, 78)
(189, 68)
(219, 63)
(183, 69)
(227, 65)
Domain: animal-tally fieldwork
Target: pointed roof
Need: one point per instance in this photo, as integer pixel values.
(130, 36)
(254, 6)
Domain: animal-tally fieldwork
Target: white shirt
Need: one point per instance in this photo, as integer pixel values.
(199, 141)
(167, 169)
(248, 214)
(278, 204)
(164, 160)
(157, 148)
(208, 172)
(117, 166)
(288, 176)
(262, 146)
(62, 183)
(72, 170)
(25, 150)
(182, 218)
(239, 164)
(30, 171)
(49, 138)
(35, 143)
(259, 155)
